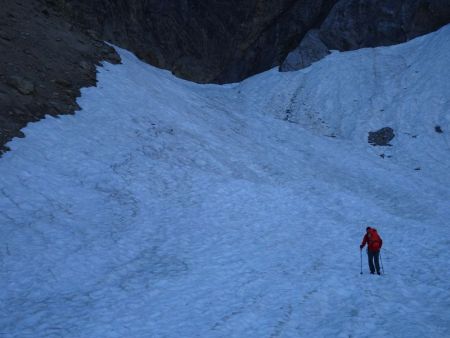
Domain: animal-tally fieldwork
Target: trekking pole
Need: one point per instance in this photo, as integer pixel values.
(381, 261)
(360, 255)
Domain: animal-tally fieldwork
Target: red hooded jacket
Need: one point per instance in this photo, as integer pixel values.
(373, 240)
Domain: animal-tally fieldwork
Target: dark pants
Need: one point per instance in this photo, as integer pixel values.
(374, 257)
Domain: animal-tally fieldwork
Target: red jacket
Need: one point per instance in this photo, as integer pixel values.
(373, 240)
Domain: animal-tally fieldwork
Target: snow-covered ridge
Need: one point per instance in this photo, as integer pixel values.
(170, 209)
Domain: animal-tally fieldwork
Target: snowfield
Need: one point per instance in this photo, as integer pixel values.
(170, 209)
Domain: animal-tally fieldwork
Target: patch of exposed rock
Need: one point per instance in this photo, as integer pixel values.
(44, 61)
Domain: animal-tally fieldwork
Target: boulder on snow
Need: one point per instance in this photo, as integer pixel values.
(381, 137)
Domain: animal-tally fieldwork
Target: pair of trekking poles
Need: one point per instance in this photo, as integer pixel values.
(381, 261)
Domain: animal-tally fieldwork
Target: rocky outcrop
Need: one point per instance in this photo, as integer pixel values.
(353, 24)
(204, 41)
(310, 50)
(44, 61)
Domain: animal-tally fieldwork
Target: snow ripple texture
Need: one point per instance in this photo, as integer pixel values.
(169, 209)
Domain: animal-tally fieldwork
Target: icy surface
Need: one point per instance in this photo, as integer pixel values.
(170, 209)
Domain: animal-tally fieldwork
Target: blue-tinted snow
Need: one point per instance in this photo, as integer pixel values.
(170, 209)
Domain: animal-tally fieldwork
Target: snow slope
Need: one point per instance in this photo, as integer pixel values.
(170, 209)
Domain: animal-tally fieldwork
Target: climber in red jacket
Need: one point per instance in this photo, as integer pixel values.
(374, 243)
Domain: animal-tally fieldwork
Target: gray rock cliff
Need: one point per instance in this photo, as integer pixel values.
(353, 24)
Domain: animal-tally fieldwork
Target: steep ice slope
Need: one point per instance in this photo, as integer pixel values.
(170, 209)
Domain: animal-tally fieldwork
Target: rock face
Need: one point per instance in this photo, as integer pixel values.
(204, 41)
(44, 61)
(353, 24)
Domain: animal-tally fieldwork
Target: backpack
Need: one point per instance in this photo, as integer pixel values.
(374, 240)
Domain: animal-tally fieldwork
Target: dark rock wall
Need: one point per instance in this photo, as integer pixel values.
(204, 41)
